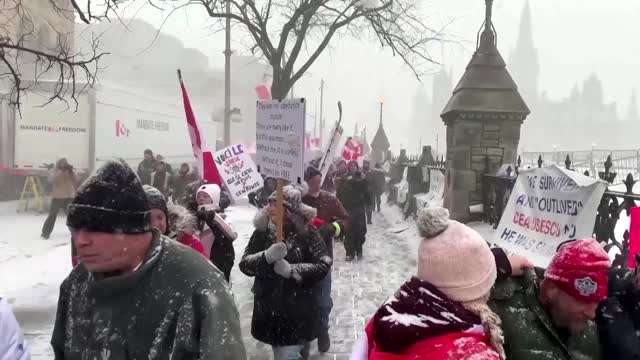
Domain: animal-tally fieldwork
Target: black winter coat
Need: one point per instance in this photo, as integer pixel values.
(353, 193)
(285, 311)
(175, 306)
(618, 317)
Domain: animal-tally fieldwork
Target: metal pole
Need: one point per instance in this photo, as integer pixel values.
(227, 78)
(321, 115)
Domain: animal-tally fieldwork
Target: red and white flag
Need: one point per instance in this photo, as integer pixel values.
(209, 171)
(352, 150)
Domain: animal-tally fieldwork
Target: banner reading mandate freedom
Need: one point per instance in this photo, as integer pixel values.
(547, 207)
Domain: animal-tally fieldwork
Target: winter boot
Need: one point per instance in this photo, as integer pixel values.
(324, 342)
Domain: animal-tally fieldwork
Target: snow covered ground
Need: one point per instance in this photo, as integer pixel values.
(31, 270)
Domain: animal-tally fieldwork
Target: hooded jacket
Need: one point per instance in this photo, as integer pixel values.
(420, 322)
(183, 226)
(12, 346)
(176, 305)
(285, 311)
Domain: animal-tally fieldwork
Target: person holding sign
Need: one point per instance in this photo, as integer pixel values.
(286, 310)
(547, 314)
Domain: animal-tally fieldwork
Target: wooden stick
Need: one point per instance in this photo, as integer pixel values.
(279, 211)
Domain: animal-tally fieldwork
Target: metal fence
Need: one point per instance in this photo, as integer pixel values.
(591, 161)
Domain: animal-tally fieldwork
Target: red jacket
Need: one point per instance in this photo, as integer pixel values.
(454, 346)
(191, 241)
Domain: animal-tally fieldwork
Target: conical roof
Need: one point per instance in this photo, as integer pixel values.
(380, 140)
(486, 86)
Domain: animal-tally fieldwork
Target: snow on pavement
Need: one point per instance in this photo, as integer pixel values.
(31, 270)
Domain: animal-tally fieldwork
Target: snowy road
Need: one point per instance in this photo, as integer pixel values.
(31, 270)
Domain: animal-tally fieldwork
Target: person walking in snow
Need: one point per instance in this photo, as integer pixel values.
(286, 310)
(175, 221)
(180, 182)
(137, 294)
(442, 312)
(367, 174)
(218, 235)
(146, 167)
(353, 193)
(547, 314)
(161, 178)
(332, 221)
(64, 189)
(618, 317)
(377, 175)
(12, 345)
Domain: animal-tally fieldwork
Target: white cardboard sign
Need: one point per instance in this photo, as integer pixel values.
(280, 132)
(547, 207)
(435, 196)
(237, 170)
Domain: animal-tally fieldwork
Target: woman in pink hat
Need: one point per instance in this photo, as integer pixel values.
(442, 312)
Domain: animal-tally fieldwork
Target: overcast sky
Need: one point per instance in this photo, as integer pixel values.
(574, 38)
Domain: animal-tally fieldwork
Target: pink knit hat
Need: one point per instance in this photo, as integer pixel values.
(453, 257)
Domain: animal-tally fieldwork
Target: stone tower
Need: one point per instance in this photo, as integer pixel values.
(483, 119)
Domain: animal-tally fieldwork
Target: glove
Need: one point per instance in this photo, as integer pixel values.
(276, 252)
(283, 268)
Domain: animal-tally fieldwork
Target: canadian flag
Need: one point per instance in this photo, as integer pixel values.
(204, 157)
(352, 149)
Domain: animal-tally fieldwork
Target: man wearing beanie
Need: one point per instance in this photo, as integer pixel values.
(333, 219)
(146, 167)
(135, 293)
(551, 318)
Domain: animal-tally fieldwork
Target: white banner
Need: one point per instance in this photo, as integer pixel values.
(280, 133)
(237, 170)
(331, 152)
(548, 206)
(435, 196)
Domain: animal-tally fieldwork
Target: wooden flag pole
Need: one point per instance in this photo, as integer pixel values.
(279, 211)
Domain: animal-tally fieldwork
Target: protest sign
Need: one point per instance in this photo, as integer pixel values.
(280, 133)
(634, 237)
(237, 170)
(435, 196)
(547, 207)
(331, 151)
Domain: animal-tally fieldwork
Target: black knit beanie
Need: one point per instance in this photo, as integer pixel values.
(111, 201)
(157, 201)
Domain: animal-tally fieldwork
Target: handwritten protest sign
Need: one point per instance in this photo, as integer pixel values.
(435, 196)
(237, 170)
(280, 132)
(634, 237)
(548, 206)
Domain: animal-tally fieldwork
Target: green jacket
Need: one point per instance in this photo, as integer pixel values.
(528, 331)
(175, 306)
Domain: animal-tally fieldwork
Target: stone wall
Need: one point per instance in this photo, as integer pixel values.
(471, 146)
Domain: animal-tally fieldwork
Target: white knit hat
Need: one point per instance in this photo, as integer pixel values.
(213, 190)
(453, 257)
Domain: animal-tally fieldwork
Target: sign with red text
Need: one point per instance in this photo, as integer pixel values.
(547, 207)
(238, 171)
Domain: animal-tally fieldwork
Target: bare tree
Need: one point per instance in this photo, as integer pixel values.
(33, 51)
(292, 34)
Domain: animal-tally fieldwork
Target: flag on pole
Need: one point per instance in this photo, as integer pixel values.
(209, 171)
(263, 91)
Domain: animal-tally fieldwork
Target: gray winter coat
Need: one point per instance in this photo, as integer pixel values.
(175, 306)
